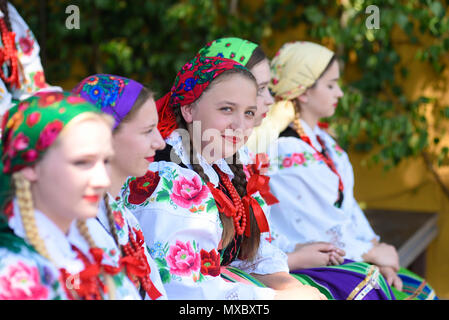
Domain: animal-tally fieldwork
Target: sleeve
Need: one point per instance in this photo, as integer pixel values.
(183, 234)
(32, 77)
(364, 230)
(269, 259)
(5, 98)
(23, 277)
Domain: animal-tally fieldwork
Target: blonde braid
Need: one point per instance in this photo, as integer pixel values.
(25, 202)
(297, 123)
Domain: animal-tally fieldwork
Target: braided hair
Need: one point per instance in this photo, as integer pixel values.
(250, 244)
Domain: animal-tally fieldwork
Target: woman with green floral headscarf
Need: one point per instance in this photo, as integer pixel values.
(54, 151)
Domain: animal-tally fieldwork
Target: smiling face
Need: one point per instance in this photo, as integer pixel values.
(224, 114)
(321, 100)
(71, 178)
(261, 72)
(136, 141)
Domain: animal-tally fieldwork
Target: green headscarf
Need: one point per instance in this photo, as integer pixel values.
(31, 127)
(237, 49)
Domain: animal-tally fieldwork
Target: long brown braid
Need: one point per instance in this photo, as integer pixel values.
(249, 245)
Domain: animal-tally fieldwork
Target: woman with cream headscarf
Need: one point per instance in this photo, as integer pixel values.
(312, 176)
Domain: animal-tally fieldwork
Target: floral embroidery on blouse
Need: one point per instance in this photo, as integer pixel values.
(185, 259)
(178, 191)
(20, 281)
(304, 159)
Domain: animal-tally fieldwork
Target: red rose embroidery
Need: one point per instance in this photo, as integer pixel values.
(210, 263)
(39, 79)
(49, 134)
(143, 187)
(26, 45)
(118, 219)
(298, 158)
(287, 162)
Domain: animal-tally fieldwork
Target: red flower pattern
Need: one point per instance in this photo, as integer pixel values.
(143, 187)
(210, 263)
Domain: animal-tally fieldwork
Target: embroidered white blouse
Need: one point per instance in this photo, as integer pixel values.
(182, 227)
(124, 219)
(59, 248)
(307, 190)
(32, 78)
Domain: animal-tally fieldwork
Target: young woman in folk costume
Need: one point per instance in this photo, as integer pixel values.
(193, 206)
(21, 71)
(308, 255)
(55, 147)
(312, 176)
(135, 139)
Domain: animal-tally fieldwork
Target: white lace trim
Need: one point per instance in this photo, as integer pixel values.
(175, 140)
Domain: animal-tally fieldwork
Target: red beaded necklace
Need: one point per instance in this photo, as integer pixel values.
(239, 213)
(9, 53)
(137, 266)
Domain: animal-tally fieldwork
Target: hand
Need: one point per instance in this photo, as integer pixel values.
(391, 276)
(316, 254)
(383, 255)
(301, 292)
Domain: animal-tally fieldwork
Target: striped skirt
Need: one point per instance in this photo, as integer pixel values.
(349, 281)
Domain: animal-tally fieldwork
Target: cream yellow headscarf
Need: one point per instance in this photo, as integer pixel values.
(295, 67)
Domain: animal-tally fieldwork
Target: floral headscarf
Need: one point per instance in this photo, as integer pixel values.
(237, 49)
(112, 94)
(190, 82)
(31, 127)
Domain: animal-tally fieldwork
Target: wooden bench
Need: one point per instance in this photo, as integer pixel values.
(410, 232)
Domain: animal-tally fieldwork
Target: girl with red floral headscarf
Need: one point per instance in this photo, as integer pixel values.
(201, 213)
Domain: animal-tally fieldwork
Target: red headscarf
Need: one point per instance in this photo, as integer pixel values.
(190, 82)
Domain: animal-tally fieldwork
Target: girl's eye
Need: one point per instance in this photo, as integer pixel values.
(260, 90)
(250, 113)
(226, 109)
(82, 163)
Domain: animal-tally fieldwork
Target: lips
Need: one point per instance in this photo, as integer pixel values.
(232, 139)
(92, 198)
(150, 159)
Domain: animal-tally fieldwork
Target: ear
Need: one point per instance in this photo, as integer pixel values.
(30, 173)
(187, 113)
(303, 98)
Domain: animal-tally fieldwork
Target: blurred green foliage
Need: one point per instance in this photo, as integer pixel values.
(151, 40)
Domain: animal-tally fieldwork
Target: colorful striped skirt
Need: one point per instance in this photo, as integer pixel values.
(349, 281)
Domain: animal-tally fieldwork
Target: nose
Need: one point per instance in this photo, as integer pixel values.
(238, 122)
(100, 177)
(339, 92)
(268, 98)
(158, 143)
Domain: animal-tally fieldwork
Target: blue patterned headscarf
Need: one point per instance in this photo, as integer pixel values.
(112, 94)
